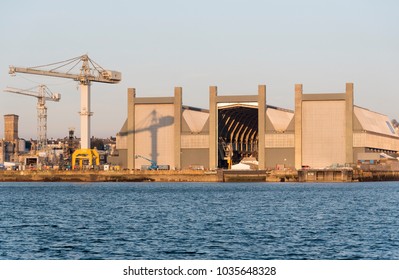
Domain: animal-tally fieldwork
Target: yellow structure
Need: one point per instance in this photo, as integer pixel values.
(87, 156)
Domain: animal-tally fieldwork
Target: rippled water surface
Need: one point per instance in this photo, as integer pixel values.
(199, 221)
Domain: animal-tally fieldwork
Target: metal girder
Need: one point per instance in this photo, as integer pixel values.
(239, 124)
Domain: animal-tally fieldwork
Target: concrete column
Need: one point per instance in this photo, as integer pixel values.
(85, 114)
(131, 95)
(261, 126)
(177, 129)
(349, 122)
(213, 128)
(298, 126)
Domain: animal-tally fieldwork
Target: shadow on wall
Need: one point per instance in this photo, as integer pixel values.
(152, 123)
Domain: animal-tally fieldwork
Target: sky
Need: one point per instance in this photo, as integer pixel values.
(232, 44)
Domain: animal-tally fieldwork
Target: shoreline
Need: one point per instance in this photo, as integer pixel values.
(105, 176)
(186, 176)
(143, 176)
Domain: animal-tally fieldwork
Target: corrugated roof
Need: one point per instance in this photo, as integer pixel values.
(374, 122)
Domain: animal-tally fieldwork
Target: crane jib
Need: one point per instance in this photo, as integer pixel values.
(106, 76)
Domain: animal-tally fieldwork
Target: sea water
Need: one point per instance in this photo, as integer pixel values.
(199, 221)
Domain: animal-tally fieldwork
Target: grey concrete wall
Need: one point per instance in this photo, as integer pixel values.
(261, 126)
(323, 133)
(276, 156)
(213, 128)
(177, 126)
(195, 157)
(120, 160)
(131, 97)
(300, 119)
(349, 122)
(298, 125)
(154, 135)
(153, 129)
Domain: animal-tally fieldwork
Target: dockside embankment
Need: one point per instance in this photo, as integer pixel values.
(147, 176)
(198, 176)
(108, 176)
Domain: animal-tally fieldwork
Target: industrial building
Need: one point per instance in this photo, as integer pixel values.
(10, 145)
(183, 137)
(331, 130)
(326, 129)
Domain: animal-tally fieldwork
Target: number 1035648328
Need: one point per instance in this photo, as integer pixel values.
(261, 271)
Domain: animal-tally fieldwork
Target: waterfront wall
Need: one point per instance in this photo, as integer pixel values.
(148, 175)
(104, 176)
(199, 176)
(325, 175)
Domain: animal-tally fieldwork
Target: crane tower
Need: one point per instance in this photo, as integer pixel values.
(89, 72)
(43, 94)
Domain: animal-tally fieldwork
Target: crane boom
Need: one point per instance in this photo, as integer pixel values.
(105, 76)
(49, 97)
(14, 70)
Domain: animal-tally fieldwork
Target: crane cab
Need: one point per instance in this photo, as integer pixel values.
(114, 76)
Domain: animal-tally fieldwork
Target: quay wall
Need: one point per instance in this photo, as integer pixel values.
(195, 176)
(147, 176)
(374, 176)
(107, 176)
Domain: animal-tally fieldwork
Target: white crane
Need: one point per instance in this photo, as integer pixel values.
(43, 94)
(89, 72)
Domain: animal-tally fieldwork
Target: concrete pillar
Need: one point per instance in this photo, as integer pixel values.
(349, 122)
(213, 128)
(298, 126)
(177, 129)
(261, 126)
(131, 95)
(85, 114)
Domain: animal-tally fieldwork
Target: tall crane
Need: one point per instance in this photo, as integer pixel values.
(89, 72)
(43, 94)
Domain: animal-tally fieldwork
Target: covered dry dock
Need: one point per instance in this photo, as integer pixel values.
(325, 130)
(165, 131)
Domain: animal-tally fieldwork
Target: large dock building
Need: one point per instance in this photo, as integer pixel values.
(325, 129)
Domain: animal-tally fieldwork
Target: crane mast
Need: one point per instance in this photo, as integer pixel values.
(90, 72)
(43, 94)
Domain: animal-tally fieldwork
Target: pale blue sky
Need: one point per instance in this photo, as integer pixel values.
(235, 45)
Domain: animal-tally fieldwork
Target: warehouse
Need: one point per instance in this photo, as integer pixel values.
(325, 130)
(331, 131)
